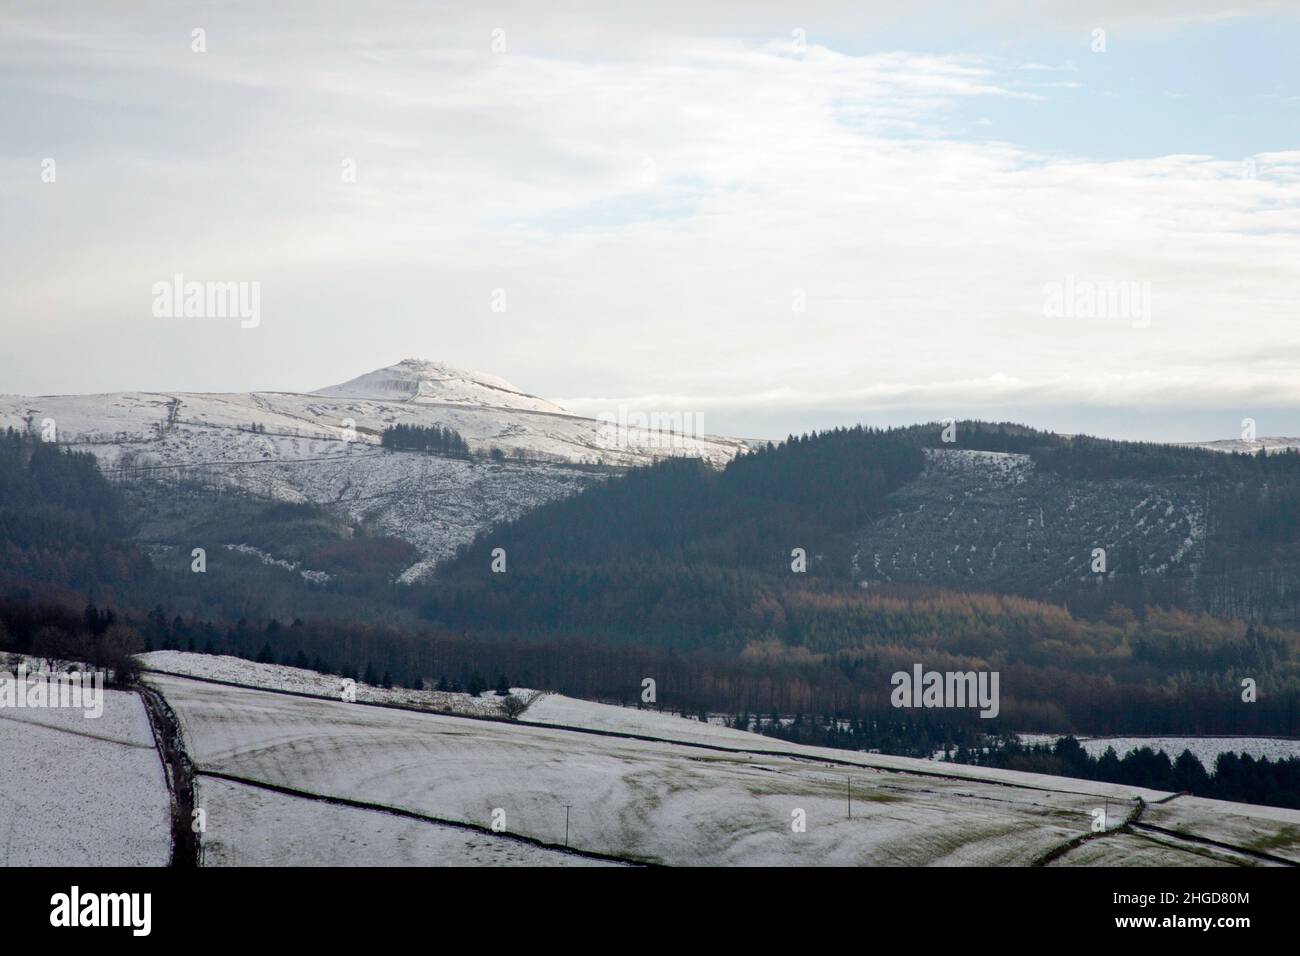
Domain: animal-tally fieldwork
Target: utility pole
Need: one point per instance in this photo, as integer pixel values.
(566, 823)
(848, 781)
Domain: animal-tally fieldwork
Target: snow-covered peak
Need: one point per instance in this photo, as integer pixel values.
(425, 382)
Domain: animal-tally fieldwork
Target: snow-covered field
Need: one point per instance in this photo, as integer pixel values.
(569, 711)
(246, 826)
(299, 681)
(1150, 849)
(640, 800)
(76, 791)
(648, 800)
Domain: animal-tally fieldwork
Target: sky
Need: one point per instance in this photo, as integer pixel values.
(774, 216)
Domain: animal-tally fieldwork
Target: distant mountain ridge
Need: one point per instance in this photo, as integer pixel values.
(322, 447)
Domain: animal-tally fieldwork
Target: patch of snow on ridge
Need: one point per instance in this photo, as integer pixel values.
(998, 466)
(1247, 446)
(316, 577)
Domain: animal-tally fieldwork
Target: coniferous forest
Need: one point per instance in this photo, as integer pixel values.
(434, 439)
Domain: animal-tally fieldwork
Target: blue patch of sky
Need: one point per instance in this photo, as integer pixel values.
(1228, 89)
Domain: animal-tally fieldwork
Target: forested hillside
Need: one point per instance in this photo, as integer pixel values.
(808, 492)
(1181, 527)
(701, 563)
(61, 522)
(997, 508)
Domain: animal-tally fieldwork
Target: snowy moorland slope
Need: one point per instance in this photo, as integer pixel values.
(323, 447)
(691, 795)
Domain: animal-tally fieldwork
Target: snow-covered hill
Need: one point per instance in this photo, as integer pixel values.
(323, 446)
(431, 383)
(154, 429)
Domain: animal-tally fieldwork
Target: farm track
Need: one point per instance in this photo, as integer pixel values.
(1134, 826)
(179, 771)
(1206, 841)
(1126, 827)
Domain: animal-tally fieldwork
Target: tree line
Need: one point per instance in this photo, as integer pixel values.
(433, 439)
(1237, 776)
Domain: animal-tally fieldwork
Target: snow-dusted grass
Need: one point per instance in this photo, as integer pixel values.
(1271, 830)
(643, 800)
(570, 711)
(560, 710)
(675, 799)
(251, 827)
(299, 681)
(76, 791)
(1145, 849)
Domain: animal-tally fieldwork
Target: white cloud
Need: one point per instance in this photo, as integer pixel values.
(650, 208)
